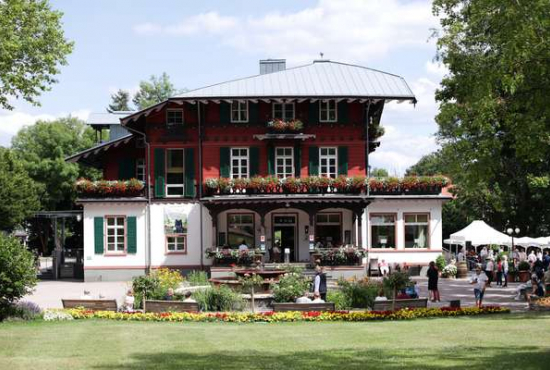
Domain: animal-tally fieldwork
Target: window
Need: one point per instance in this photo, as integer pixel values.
(239, 111)
(174, 173)
(176, 243)
(284, 162)
(240, 227)
(327, 162)
(328, 111)
(116, 234)
(239, 163)
(140, 169)
(416, 231)
(284, 111)
(382, 228)
(174, 117)
(328, 229)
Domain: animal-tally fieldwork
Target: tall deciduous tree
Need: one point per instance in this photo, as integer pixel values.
(32, 47)
(18, 192)
(379, 172)
(494, 113)
(120, 101)
(156, 90)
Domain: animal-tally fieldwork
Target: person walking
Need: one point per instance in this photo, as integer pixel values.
(505, 269)
(479, 281)
(499, 272)
(320, 283)
(433, 277)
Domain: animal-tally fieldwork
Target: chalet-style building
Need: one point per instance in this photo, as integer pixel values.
(280, 158)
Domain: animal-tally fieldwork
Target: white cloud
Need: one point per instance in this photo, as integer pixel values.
(12, 122)
(437, 69)
(353, 30)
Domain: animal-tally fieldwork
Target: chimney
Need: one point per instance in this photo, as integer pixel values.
(272, 65)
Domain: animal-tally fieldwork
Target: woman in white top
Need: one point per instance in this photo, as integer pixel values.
(129, 301)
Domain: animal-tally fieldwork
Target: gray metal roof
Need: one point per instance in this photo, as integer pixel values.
(322, 78)
(107, 118)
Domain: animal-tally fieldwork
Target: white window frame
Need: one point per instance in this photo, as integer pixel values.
(239, 173)
(416, 223)
(325, 105)
(383, 223)
(284, 110)
(140, 169)
(168, 123)
(284, 174)
(328, 157)
(240, 111)
(118, 231)
(179, 244)
(171, 186)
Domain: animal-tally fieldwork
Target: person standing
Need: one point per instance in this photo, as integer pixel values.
(505, 269)
(480, 283)
(499, 272)
(320, 283)
(433, 277)
(489, 271)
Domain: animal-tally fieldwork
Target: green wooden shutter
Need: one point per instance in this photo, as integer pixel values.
(343, 116)
(297, 160)
(189, 172)
(131, 235)
(159, 172)
(271, 160)
(225, 113)
(343, 160)
(313, 117)
(225, 158)
(126, 168)
(98, 235)
(254, 156)
(313, 161)
(253, 111)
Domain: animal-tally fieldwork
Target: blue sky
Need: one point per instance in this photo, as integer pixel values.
(118, 43)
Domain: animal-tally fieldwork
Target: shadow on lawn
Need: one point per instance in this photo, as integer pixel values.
(451, 358)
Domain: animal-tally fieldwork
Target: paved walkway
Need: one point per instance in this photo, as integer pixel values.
(48, 294)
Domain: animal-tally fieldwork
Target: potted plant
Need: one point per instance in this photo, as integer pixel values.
(523, 271)
(340, 184)
(291, 185)
(311, 184)
(224, 185)
(357, 184)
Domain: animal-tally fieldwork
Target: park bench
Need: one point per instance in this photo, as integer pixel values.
(158, 306)
(91, 304)
(399, 304)
(281, 307)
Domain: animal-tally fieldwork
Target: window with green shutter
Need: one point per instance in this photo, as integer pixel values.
(225, 113)
(313, 114)
(159, 172)
(254, 112)
(343, 116)
(297, 160)
(271, 160)
(98, 235)
(189, 172)
(131, 234)
(225, 158)
(126, 168)
(313, 161)
(254, 161)
(343, 160)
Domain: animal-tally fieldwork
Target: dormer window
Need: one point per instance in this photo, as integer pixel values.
(239, 111)
(328, 111)
(174, 117)
(283, 111)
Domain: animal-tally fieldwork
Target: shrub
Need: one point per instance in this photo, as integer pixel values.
(195, 278)
(449, 271)
(290, 286)
(339, 299)
(220, 298)
(144, 286)
(167, 279)
(359, 294)
(524, 266)
(440, 262)
(396, 281)
(17, 273)
(26, 310)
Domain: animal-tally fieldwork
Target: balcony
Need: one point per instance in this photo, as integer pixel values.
(357, 185)
(102, 189)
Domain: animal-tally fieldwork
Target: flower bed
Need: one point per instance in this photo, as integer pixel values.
(279, 125)
(350, 256)
(322, 185)
(104, 188)
(234, 257)
(241, 317)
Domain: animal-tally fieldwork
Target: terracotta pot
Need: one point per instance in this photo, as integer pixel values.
(524, 276)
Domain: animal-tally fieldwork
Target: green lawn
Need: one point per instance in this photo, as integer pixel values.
(514, 341)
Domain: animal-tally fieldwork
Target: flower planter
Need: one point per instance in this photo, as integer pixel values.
(524, 276)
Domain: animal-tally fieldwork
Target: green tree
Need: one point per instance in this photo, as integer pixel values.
(429, 165)
(156, 90)
(18, 191)
(32, 47)
(494, 114)
(120, 101)
(379, 172)
(43, 148)
(17, 273)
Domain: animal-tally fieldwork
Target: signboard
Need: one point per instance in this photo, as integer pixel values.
(175, 220)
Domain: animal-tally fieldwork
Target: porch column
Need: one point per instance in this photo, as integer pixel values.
(263, 236)
(359, 216)
(214, 216)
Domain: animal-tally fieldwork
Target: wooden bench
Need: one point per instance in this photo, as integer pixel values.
(91, 304)
(399, 304)
(158, 306)
(281, 307)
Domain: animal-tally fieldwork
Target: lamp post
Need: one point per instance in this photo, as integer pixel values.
(513, 231)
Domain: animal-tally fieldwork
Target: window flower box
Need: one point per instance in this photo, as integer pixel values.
(279, 126)
(109, 189)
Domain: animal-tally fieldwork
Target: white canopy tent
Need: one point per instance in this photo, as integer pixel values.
(479, 233)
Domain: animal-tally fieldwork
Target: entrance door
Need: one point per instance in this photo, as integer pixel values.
(284, 233)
